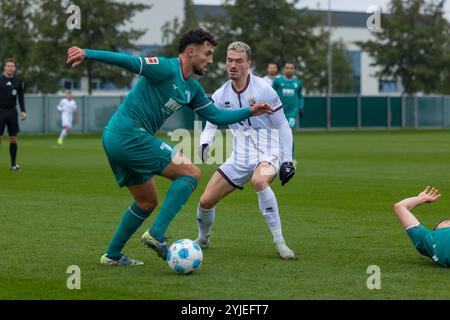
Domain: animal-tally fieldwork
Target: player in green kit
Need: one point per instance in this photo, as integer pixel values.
(434, 244)
(136, 155)
(289, 90)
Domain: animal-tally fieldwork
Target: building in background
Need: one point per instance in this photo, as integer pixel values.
(348, 27)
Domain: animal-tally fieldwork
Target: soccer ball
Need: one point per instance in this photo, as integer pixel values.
(184, 256)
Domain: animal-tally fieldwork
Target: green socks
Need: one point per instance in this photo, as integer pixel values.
(177, 195)
(131, 221)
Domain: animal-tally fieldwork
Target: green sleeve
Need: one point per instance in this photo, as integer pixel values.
(275, 84)
(418, 235)
(300, 95)
(130, 63)
(223, 117)
(154, 69)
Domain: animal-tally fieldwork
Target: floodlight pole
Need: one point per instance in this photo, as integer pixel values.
(330, 64)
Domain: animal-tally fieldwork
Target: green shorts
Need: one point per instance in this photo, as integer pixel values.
(137, 157)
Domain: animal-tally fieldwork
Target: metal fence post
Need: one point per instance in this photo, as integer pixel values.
(85, 115)
(446, 112)
(416, 113)
(358, 111)
(46, 114)
(403, 112)
(389, 112)
(328, 112)
(443, 111)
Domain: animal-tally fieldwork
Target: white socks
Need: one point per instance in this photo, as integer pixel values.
(269, 208)
(205, 219)
(63, 134)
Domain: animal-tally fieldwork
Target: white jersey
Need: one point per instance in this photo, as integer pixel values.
(256, 138)
(67, 109)
(269, 80)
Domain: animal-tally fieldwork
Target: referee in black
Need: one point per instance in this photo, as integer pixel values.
(11, 88)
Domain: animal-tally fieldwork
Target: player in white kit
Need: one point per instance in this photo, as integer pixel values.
(67, 107)
(262, 146)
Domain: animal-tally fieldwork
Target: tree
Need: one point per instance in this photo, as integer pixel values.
(276, 31)
(102, 27)
(16, 34)
(341, 69)
(413, 46)
(172, 30)
(35, 32)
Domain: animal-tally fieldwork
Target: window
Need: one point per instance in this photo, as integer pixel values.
(388, 86)
(354, 57)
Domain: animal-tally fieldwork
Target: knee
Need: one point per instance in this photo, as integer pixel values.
(12, 139)
(259, 184)
(206, 203)
(195, 172)
(147, 205)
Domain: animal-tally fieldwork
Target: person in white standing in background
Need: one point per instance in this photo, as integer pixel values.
(67, 107)
(272, 73)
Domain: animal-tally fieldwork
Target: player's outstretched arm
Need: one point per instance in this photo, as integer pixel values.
(404, 207)
(223, 117)
(76, 56)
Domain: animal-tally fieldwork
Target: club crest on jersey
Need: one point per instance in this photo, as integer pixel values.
(152, 60)
(188, 94)
(252, 102)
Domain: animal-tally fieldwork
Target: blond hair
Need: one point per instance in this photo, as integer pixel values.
(240, 46)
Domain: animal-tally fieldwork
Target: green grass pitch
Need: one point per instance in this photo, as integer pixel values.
(62, 208)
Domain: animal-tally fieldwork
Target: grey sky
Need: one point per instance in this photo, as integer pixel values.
(339, 5)
(167, 10)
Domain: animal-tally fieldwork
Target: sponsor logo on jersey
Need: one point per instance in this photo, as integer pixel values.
(152, 60)
(171, 106)
(288, 92)
(14, 92)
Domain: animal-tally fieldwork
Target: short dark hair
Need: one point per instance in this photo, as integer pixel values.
(197, 36)
(9, 60)
(289, 62)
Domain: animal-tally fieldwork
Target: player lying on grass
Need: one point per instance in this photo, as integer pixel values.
(434, 244)
(256, 152)
(136, 155)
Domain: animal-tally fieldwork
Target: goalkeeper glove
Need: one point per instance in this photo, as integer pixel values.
(287, 171)
(203, 152)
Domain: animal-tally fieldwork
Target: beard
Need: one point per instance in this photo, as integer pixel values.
(199, 71)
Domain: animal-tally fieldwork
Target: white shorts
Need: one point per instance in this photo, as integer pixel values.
(66, 121)
(238, 173)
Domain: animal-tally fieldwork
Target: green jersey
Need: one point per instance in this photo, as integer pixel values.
(290, 93)
(161, 90)
(134, 153)
(433, 244)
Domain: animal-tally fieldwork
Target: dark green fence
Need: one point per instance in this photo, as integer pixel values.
(320, 113)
